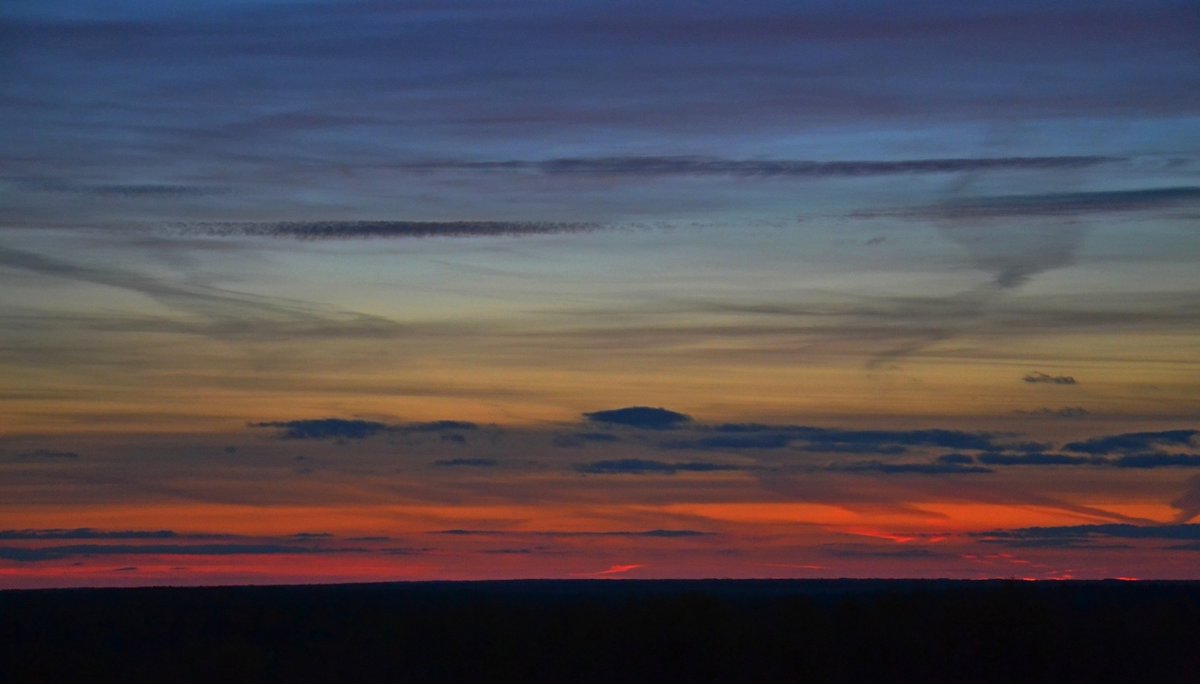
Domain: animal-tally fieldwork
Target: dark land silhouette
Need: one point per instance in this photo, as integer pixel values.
(609, 631)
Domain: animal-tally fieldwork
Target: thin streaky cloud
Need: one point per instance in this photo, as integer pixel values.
(390, 230)
(712, 166)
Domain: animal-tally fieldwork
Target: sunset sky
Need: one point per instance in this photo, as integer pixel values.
(474, 289)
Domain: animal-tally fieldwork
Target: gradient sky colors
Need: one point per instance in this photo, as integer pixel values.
(356, 290)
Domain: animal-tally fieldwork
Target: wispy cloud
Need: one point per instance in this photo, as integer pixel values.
(390, 230)
(712, 166)
(639, 466)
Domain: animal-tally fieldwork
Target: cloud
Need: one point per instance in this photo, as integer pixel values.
(1188, 503)
(1157, 460)
(1064, 412)
(1038, 459)
(1086, 532)
(656, 533)
(1049, 205)
(578, 439)
(732, 442)
(643, 417)
(436, 426)
(939, 468)
(712, 166)
(30, 554)
(1038, 377)
(88, 533)
(390, 230)
(325, 428)
(46, 455)
(467, 463)
(835, 440)
(638, 466)
(1133, 441)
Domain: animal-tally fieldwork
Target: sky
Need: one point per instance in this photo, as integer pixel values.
(371, 291)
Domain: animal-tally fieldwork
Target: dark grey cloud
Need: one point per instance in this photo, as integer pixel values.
(578, 439)
(655, 533)
(1064, 412)
(1157, 460)
(390, 230)
(1188, 503)
(769, 440)
(436, 426)
(643, 417)
(638, 466)
(834, 440)
(325, 428)
(88, 533)
(870, 551)
(46, 455)
(1049, 205)
(1133, 442)
(1038, 459)
(467, 463)
(1038, 377)
(712, 166)
(131, 190)
(1087, 532)
(956, 459)
(29, 554)
(938, 468)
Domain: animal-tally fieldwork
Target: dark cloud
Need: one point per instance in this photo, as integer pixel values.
(88, 533)
(1049, 205)
(656, 533)
(1064, 412)
(869, 551)
(1084, 532)
(732, 442)
(643, 417)
(46, 455)
(957, 459)
(1038, 459)
(834, 440)
(712, 166)
(938, 468)
(325, 428)
(638, 466)
(578, 439)
(467, 463)
(358, 230)
(133, 190)
(436, 426)
(1133, 442)
(1188, 503)
(1038, 377)
(27, 554)
(1157, 460)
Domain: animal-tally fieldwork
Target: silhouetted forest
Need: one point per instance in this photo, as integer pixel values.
(595, 631)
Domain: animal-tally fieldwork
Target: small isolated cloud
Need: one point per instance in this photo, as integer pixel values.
(1038, 377)
(325, 428)
(389, 230)
(638, 466)
(643, 417)
(1133, 442)
(938, 468)
(466, 463)
(1064, 412)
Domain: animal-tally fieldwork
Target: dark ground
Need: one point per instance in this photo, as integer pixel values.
(617, 631)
